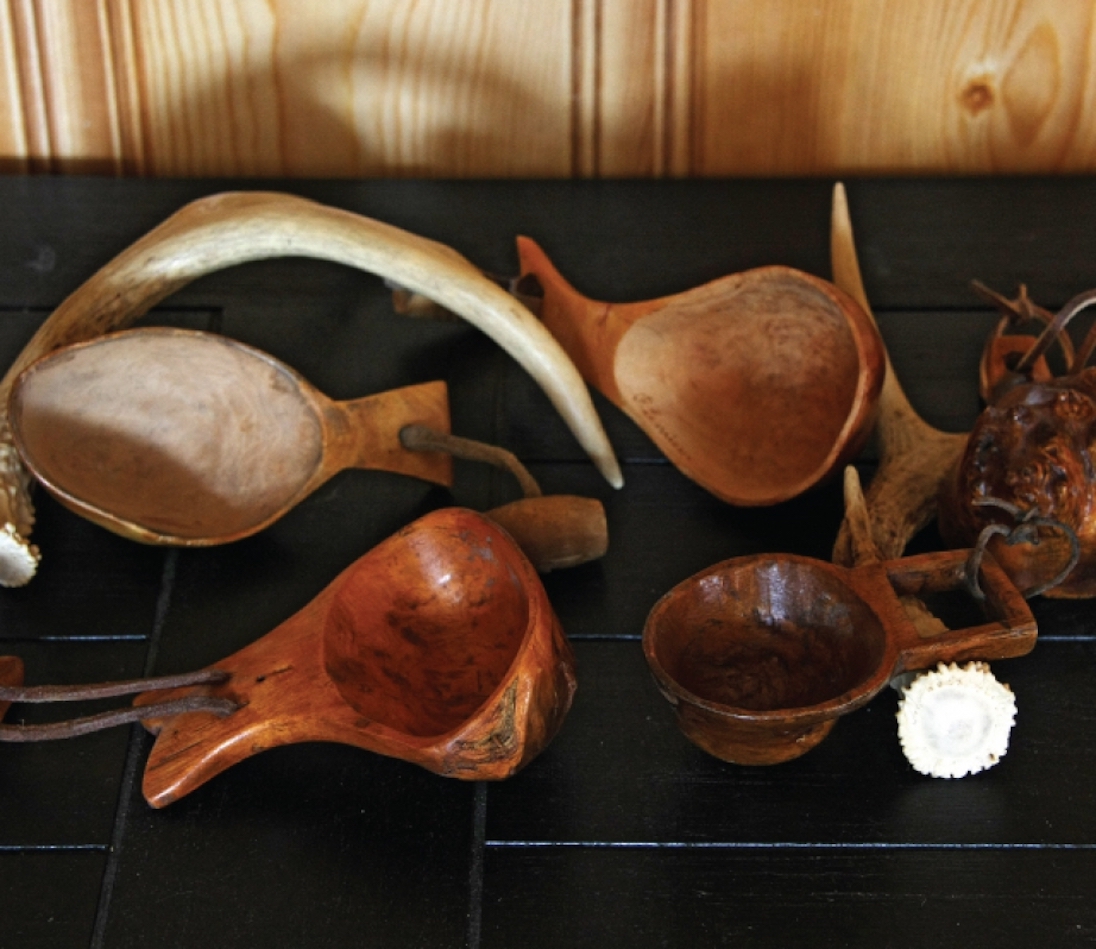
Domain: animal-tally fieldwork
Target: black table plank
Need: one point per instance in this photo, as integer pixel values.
(65, 793)
(621, 772)
(49, 899)
(313, 845)
(784, 897)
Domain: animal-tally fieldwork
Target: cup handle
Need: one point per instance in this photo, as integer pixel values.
(1010, 629)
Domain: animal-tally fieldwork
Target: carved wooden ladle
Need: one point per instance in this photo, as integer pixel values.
(757, 385)
(761, 655)
(438, 647)
(180, 437)
(222, 230)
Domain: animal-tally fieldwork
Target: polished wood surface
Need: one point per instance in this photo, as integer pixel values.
(438, 646)
(761, 655)
(585, 88)
(757, 386)
(621, 832)
(1029, 456)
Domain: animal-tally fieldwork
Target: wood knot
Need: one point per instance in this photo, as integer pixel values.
(977, 95)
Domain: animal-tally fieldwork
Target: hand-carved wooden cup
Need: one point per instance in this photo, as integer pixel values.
(179, 437)
(761, 655)
(172, 436)
(757, 386)
(439, 647)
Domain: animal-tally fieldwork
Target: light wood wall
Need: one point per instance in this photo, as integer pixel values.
(557, 88)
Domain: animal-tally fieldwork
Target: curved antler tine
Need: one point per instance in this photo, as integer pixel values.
(857, 522)
(914, 457)
(844, 261)
(227, 229)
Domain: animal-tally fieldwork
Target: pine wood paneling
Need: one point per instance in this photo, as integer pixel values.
(957, 86)
(81, 105)
(14, 148)
(355, 88)
(556, 88)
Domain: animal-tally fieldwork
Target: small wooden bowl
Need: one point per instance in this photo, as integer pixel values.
(439, 647)
(761, 655)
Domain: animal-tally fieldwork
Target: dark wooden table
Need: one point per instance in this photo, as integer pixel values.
(621, 833)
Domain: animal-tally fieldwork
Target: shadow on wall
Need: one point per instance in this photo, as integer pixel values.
(355, 115)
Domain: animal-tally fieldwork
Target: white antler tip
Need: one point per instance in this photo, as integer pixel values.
(955, 721)
(18, 559)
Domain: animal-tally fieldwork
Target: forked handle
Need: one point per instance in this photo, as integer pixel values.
(282, 695)
(1010, 629)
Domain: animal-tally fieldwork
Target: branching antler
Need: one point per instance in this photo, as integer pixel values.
(914, 457)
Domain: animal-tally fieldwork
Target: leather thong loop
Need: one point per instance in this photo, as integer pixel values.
(123, 716)
(1054, 329)
(1024, 531)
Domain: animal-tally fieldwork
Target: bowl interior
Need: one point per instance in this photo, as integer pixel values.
(185, 434)
(766, 635)
(426, 627)
(780, 358)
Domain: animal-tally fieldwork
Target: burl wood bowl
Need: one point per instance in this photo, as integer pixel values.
(761, 655)
(1028, 457)
(438, 647)
(757, 386)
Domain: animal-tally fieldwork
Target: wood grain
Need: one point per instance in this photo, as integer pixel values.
(676, 364)
(969, 86)
(561, 88)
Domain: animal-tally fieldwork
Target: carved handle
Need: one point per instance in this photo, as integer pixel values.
(1011, 630)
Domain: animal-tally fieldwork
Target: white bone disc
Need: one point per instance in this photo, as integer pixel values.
(955, 721)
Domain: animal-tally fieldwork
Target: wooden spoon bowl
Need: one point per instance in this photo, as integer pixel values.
(178, 437)
(757, 386)
(438, 647)
(761, 655)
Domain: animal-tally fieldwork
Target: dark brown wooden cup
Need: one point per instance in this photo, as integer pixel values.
(761, 655)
